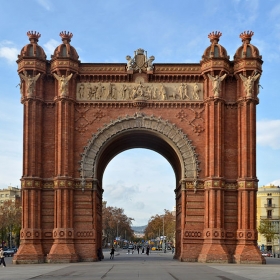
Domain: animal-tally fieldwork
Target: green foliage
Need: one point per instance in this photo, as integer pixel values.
(115, 223)
(10, 213)
(267, 229)
(159, 223)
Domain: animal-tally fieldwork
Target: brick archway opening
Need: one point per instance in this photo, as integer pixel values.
(140, 131)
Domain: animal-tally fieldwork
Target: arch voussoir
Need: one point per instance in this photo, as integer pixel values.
(173, 134)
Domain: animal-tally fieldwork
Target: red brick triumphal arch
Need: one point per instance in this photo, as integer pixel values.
(200, 116)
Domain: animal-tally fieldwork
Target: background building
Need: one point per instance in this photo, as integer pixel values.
(11, 193)
(268, 207)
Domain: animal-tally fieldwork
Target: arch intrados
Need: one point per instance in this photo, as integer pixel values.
(138, 131)
(139, 138)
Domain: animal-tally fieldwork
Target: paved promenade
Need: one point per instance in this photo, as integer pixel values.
(125, 266)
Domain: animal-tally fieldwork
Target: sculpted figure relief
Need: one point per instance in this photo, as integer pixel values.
(100, 90)
(248, 83)
(63, 83)
(30, 83)
(150, 63)
(131, 91)
(183, 91)
(216, 83)
(162, 92)
(81, 90)
(129, 62)
(196, 91)
(92, 92)
(124, 91)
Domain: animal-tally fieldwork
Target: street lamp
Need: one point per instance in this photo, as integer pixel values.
(163, 237)
(117, 228)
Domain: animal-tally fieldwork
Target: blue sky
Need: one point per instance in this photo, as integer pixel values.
(172, 31)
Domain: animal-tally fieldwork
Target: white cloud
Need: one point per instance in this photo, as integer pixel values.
(140, 181)
(268, 133)
(50, 46)
(275, 183)
(45, 4)
(8, 51)
(119, 192)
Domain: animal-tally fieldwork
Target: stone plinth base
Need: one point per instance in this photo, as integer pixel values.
(62, 253)
(248, 254)
(190, 251)
(214, 253)
(29, 254)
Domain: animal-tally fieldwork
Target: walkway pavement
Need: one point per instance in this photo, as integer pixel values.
(125, 266)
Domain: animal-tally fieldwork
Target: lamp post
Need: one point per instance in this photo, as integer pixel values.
(163, 238)
(117, 238)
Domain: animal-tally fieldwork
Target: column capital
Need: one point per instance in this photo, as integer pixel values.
(214, 183)
(31, 183)
(244, 184)
(63, 183)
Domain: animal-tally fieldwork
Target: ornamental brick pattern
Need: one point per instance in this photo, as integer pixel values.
(200, 116)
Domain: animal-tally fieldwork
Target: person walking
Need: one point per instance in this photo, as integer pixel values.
(112, 253)
(138, 248)
(143, 250)
(2, 257)
(99, 254)
(148, 250)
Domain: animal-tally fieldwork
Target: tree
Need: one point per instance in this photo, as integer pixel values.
(115, 224)
(10, 213)
(267, 229)
(159, 223)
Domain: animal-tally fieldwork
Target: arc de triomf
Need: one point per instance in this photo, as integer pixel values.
(200, 116)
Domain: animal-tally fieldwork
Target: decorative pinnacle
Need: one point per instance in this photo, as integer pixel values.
(33, 36)
(246, 36)
(66, 36)
(214, 36)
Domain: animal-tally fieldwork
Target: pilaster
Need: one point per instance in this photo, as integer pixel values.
(214, 249)
(30, 250)
(31, 70)
(63, 249)
(183, 218)
(247, 235)
(97, 214)
(246, 249)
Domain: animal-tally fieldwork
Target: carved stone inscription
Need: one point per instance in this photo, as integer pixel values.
(130, 91)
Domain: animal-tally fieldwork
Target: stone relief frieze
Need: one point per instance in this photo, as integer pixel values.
(131, 91)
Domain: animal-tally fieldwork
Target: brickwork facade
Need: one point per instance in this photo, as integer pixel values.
(200, 116)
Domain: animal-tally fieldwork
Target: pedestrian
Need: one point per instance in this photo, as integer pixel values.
(2, 257)
(173, 249)
(99, 254)
(112, 253)
(138, 248)
(148, 250)
(143, 250)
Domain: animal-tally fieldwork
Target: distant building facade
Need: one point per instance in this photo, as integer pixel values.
(268, 208)
(11, 193)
